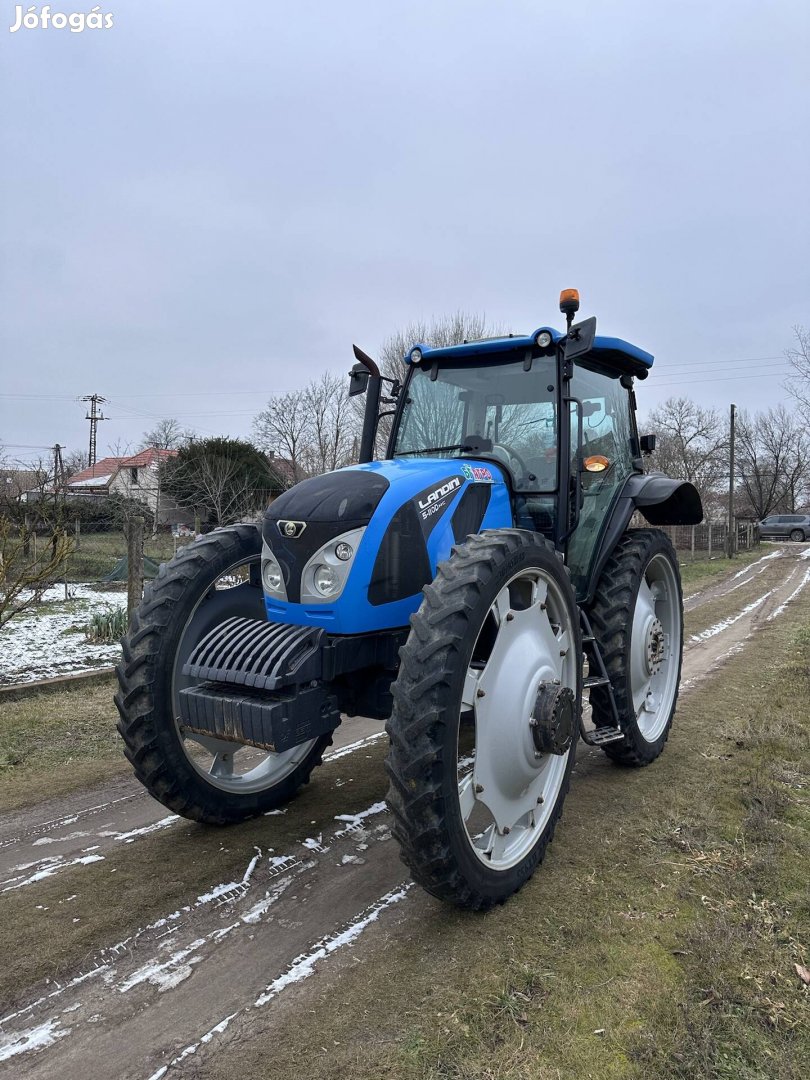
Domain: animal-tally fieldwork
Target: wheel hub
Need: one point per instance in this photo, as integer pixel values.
(528, 655)
(552, 724)
(654, 646)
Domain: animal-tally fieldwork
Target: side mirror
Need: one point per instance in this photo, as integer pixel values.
(579, 339)
(358, 380)
(647, 444)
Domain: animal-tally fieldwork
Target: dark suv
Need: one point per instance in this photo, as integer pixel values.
(777, 526)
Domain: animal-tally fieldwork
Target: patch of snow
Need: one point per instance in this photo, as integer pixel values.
(134, 834)
(59, 839)
(169, 973)
(775, 614)
(350, 748)
(750, 567)
(228, 887)
(355, 821)
(92, 481)
(304, 965)
(315, 845)
(194, 1047)
(37, 1038)
(718, 628)
(261, 907)
(52, 867)
(41, 644)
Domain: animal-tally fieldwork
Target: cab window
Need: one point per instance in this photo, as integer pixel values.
(608, 435)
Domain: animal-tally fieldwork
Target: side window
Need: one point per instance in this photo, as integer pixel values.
(607, 433)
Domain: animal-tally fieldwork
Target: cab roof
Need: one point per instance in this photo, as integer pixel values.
(609, 352)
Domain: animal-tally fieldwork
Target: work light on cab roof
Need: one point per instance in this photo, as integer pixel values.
(473, 582)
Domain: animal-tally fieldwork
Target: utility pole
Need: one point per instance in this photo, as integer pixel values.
(93, 415)
(58, 469)
(731, 526)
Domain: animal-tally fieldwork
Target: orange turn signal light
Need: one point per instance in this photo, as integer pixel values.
(596, 463)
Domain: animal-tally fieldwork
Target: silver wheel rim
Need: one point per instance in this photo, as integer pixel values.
(229, 766)
(508, 790)
(655, 647)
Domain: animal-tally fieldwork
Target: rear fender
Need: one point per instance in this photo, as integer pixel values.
(662, 501)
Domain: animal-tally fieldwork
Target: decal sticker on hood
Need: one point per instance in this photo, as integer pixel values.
(433, 501)
(479, 473)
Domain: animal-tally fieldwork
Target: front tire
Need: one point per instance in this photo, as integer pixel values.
(200, 777)
(637, 620)
(476, 789)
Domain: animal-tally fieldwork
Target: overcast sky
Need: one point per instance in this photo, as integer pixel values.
(208, 203)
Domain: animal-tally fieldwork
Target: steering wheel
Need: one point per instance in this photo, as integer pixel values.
(508, 456)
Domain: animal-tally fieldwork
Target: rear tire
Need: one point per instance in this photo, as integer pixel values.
(797, 535)
(643, 570)
(498, 622)
(178, 607)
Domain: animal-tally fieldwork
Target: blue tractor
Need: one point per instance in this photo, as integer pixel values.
(475, 586)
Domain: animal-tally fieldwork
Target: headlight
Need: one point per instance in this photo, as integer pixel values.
(325, 575)
(272, 576)
(543, 339)
(326, 580)
(416, 356)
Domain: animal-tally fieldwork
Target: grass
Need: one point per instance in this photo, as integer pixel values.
(658, 940)
(106, 626)
(98, 553)
(55, 743)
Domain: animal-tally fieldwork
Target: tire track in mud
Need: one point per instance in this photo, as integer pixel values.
(161, 998)
(38, 850)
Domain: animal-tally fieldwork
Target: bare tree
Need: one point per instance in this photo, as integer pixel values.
(34, 539)
(120, 448)
(436, 424)
(332, 425)
(167, 434)
(799, 357)
(314, 428)
(221, 480)
(691, 444)
(75, 462)
(438, 333)
(773, 461)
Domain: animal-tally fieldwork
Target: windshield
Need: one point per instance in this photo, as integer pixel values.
(496, 410)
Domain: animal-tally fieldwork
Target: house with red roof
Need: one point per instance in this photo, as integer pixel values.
(134, 477)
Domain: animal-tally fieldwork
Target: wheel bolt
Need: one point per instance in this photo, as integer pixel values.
(480, 693)
(540, 800)
(509, 616)
(506, 830)
(478, 788)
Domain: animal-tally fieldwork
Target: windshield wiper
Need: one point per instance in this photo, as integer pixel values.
(434, 449)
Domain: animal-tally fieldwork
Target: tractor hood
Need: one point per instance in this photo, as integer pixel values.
(397, 518)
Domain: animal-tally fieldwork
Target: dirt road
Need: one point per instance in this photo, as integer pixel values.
(257, 915)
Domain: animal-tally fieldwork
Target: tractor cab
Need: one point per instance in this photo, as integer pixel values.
(553, 413)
